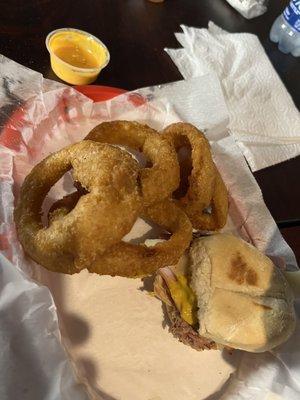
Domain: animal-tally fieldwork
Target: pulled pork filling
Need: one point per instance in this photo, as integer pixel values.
(186, 333)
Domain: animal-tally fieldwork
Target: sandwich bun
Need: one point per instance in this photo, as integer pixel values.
(244, 300)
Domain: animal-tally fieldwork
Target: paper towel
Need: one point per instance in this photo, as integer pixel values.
(263, 118)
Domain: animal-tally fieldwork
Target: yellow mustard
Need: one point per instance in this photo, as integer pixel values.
(184, 298)
(76, 57)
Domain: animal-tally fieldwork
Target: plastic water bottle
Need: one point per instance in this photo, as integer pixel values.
(286, 29)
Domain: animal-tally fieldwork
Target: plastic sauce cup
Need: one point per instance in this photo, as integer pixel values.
(76, 57)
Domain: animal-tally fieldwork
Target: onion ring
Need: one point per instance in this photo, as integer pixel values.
(73, 240)
(217, 218)
(157, 181)
(205, 186)
(130, 260)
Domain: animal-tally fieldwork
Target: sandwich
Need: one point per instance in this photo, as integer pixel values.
(226, 293)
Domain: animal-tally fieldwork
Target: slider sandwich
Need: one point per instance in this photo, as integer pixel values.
(225, 293)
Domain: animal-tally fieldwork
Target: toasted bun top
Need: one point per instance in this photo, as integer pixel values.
(244, 300)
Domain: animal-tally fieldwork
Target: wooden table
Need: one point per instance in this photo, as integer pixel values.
(136, 32)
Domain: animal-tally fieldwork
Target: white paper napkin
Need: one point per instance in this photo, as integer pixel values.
(263, 118)
(249, 8)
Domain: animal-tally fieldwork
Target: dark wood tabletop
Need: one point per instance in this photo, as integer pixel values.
(136, 33)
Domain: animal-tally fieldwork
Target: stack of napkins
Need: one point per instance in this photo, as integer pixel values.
(263, 118)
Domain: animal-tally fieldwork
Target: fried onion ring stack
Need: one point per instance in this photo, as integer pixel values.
(85, 229)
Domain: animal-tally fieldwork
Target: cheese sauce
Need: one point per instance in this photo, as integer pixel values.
(77, 56)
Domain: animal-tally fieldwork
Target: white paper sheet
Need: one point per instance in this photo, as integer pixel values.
(112, 330)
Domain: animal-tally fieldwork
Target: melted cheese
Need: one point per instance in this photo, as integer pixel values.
(184, 299)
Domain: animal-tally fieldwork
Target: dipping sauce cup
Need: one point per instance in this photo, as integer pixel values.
(76, 57)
